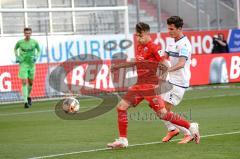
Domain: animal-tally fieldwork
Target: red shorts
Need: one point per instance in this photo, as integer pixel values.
(137, 93)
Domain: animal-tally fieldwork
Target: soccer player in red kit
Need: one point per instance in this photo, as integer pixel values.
(148, 55)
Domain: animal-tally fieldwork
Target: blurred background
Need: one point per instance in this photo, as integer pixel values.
(198, 15)
(74, 31)
(77, 28)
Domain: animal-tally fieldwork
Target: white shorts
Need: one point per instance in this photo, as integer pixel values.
(174, 96)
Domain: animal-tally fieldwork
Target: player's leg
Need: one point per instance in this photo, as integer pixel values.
(169, 125)
(169, 100)
(173, 130)
(179, 121)
(122, 108)
(30, 83)
(173, 98)
(23, 75)
(130, 99)
(25, 93)
(122, 141)
(158, 105)
(31, 74)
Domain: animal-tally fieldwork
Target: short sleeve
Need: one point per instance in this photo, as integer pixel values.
(167, 50)
(37, 46)
(16, 46)
(184, 52)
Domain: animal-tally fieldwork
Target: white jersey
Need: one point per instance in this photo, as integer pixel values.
(176, 49)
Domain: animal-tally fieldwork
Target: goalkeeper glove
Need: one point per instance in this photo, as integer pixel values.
(18, 60)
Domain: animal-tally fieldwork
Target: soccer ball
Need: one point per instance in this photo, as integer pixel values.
(70, 105)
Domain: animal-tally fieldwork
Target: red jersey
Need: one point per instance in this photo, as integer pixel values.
(147, 61)
(149, 52)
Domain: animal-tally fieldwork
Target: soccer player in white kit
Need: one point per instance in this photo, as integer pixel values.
(179, 52)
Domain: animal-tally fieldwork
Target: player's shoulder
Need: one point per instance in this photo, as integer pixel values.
(184, 43)
(183, 40)
(34, 40)
(20, 41)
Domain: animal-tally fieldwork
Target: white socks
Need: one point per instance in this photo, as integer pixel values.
(171, 127)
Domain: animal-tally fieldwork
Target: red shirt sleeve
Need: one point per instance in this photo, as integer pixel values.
(153, 50)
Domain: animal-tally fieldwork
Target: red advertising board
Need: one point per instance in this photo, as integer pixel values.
(205, 69)
(215, 68)
(202, 41)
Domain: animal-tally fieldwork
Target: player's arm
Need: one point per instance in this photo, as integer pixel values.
(179, 65)
(163, 66)
(157, 52)
(222, 43)
(160, 55)
(37, 51)
(183, 56)
(165, 63)
(122, 65)
(153, 49)
(16, 52)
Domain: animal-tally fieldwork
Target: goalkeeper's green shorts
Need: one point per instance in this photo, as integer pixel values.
(26, 71)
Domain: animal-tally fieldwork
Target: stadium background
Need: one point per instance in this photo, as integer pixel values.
(64, 32)
(65, 28)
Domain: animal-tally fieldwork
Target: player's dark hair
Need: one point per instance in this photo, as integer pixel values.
(142, 27)
(27, 29)
(176, 20)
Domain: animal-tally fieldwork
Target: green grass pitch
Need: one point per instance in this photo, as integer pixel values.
(37, 131)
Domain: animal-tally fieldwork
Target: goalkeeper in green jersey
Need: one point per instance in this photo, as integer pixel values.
(27, 51)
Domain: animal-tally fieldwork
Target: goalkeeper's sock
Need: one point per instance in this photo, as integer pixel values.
(122, 122)
(25, 93)
(29, 90)
(176, 119)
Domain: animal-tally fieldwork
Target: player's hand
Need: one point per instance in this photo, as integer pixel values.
(18, 61)
(161, 53)
(163, 67)
(164, 76)
(164, 70)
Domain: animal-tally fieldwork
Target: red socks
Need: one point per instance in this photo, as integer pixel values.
(170, 116)
(176, 119)
(122, 122)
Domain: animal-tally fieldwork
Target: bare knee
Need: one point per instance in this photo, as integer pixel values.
(123, 105)
(168, 106)
(161, 113)
(24, 81)
(30, 82)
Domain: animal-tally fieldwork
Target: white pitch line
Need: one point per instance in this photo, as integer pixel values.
(134, 145)
(37, 100)
(23, 113)
(33, 112)
(46, 111)
(215, 96)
